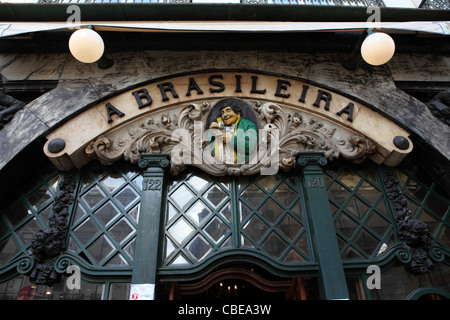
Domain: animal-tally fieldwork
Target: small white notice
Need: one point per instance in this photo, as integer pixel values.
(144, 291)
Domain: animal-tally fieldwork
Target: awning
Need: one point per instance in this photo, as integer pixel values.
(8, 29)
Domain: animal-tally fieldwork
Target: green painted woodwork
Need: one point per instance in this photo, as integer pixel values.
(209, 218)
(105, 218)
(331, 273)
(360, 208)
(147, 241)
(321, 220)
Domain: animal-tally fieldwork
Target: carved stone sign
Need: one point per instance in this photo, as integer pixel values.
(227, 123)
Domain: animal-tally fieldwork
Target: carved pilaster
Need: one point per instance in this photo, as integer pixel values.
(151, 210)
(331, 274)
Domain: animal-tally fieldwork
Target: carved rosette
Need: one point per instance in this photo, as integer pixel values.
(281, 136)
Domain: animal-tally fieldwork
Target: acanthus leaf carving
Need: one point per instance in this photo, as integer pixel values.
(281, 136)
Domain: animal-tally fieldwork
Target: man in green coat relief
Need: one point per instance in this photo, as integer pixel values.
(234, 139)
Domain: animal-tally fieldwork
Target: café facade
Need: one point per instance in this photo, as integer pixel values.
(113, 186)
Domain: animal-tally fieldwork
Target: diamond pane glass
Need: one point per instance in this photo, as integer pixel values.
(253, 195)
(226, 213)
(39, 197)
(80, 213)
(171, 212)
(117, 261)
(45, 215)
(201, 213)
(28, 231)
(346, 225)
(134, 213)
(121, 230)
(267, 182)
(378, 224)
(256, 228)
(198, 212)
(349, 178)
(338, 193)
(357, 208)
(352, 254)
(106, 213)
(368, 192)
(285, 194)
(274, 245)
(86, 231)
(290, 227)
(199, 247)
(302, 244)
(182, 196)
(271, 210)
(127, 196)
(366, 242)
(244, 212)
(217, 230)
(179, 260)
(170, 247)
(130, 247)
(197, 183)
(297, 210)
(113, 181)
(215, 195)
(180, 230)
(437, 206)
(93, 197)
(293, 256)
(100, 248)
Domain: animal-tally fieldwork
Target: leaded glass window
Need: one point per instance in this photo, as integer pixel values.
(206, 215)
(21, 220)
(271, 218)
(427, 201)
(364, 225)
(103, 230)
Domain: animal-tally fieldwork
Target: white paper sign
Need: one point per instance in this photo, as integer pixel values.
(144, 291)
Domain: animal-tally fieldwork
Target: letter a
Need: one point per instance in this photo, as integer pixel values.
(74, 281)
(373, 281)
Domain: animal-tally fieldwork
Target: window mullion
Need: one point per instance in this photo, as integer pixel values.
(235, 213)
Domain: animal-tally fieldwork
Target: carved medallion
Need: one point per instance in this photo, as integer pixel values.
(276, 135)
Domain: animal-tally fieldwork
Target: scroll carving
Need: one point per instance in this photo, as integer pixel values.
(282, 134)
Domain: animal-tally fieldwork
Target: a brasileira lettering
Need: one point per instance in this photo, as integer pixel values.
(281, 88)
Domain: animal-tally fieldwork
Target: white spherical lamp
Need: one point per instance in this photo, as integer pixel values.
(378, 48)
(86, 45)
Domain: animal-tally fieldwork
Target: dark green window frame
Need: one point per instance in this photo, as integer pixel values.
(425, 199)
(234, 214)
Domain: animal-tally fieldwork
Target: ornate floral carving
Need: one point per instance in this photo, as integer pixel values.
(281, 136)
(48, 244)
(415, 233)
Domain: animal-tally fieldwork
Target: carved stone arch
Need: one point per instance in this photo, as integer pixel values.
(293, 116)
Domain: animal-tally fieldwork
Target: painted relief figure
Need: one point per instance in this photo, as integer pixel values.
(233, 134)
